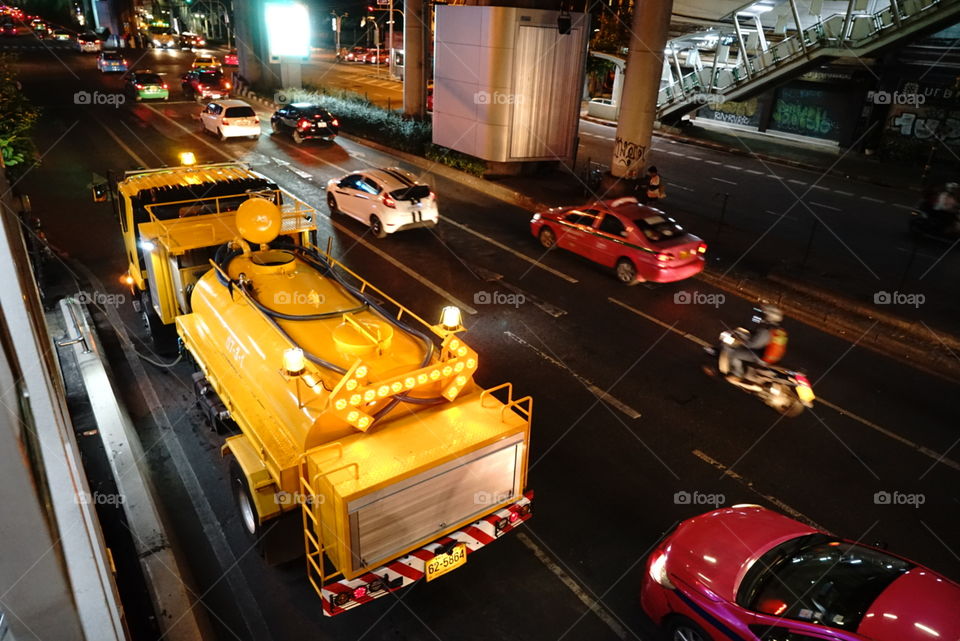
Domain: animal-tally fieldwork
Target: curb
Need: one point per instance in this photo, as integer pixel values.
(716, 146)
(883, 333)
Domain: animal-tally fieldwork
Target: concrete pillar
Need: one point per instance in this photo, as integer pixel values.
(414, 56)
(638, 109)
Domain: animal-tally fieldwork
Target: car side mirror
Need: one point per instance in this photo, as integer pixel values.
(101, 192)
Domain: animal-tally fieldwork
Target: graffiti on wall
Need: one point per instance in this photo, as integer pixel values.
(927, 124)
(745, 112)
(807, 112)
(629, 155)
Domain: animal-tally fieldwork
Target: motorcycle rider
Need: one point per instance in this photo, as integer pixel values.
(767, 338)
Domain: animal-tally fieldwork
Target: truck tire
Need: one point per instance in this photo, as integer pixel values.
(163, 337)
(244, 498)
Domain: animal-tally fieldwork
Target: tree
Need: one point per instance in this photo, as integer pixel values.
(17, 117)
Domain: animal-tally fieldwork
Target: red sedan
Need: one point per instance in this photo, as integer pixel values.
(751, 574)
(641, 243)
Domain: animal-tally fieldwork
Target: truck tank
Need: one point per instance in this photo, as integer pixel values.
(356, 412)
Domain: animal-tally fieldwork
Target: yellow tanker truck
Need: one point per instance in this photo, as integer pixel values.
(359, 423)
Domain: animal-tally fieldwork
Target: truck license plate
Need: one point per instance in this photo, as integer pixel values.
(443, 563)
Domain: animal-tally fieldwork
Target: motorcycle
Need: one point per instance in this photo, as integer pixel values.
(942, 225)
(786, 391)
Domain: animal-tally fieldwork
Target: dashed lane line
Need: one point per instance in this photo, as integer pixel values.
(871, 199)
(800, 516)
(592, 604)
(795, 181)
(520, 255)
(724, 180)
(713, 162)
(843, 193)
(779, 215)
(754, 171)
(926, 451)
(679, 186)
(820, 187)
(596, 391)
(899, 206)
(825, 206)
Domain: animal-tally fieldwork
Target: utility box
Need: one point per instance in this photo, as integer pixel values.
(507, 82)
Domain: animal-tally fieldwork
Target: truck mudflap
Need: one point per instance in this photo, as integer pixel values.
(340, 596)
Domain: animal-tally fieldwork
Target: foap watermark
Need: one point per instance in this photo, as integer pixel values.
(298, 298)
(100, 299)
(884, 497)
(709, 98)
(491, 498)
(497, 98)
(499, 298)
(99, 98)
(282, 98)
(897, 98)
(684, 297)
(698, 498)
(899, 298)
(98, 498)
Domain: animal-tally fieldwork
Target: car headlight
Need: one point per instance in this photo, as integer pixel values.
(728, 338)
(658, 569)
(156, 43)
(535, 218)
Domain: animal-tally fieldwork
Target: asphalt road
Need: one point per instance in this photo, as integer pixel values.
(606, 471)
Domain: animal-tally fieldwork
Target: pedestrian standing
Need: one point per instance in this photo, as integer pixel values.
(654, 188)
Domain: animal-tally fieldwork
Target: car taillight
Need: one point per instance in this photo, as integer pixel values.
(433, 196)
(138, 86)
(702, 248)
(662, 257)
(227, 85)
(124, 62)
(256, 119)
(164, 85)
(388, 201)
(335, 122)
(96, 42)
(303, 123)
(225, 121)
(802, 380)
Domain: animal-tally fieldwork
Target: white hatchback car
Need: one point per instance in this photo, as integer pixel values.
(388, 200)
(230, 119)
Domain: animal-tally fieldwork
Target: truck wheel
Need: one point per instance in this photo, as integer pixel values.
(164, 337)
(241, 493)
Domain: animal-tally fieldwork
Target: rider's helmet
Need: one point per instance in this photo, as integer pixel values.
(768, 315)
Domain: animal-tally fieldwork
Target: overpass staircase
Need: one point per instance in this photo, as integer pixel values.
(760, 65)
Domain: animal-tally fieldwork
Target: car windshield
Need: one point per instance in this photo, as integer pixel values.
(240, 112)
(87, 37)
(819, 579)
(148, 79)
(112, 56)
(659, 228)
(159, 31)
(209, 77)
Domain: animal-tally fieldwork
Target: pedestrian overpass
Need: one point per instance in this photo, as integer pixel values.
(769, 41)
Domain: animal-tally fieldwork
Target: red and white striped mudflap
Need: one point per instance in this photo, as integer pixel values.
(410, 568)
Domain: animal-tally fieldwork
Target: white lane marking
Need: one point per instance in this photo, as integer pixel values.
(592, 604)
(376, 250)
(816, 204)
(596, 391)
(737, 167)
(723, 180)
(690, 337)
(679, 186)
(820, 187)
(130, 152)
(675, 153)
(795, 181)
(713, 162)
(754, 171)
(800, 516)
(702, 343)
(843, 193)
(520, 255)
(905, 441)
(778, 214)
(871, 199)
(899, 206)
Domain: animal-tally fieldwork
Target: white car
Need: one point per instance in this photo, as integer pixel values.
(230, 119)
(88, 43)
(388, 200)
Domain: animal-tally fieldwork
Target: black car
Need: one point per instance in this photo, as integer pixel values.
(305, 121)
(200, 84)
(8, 29)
